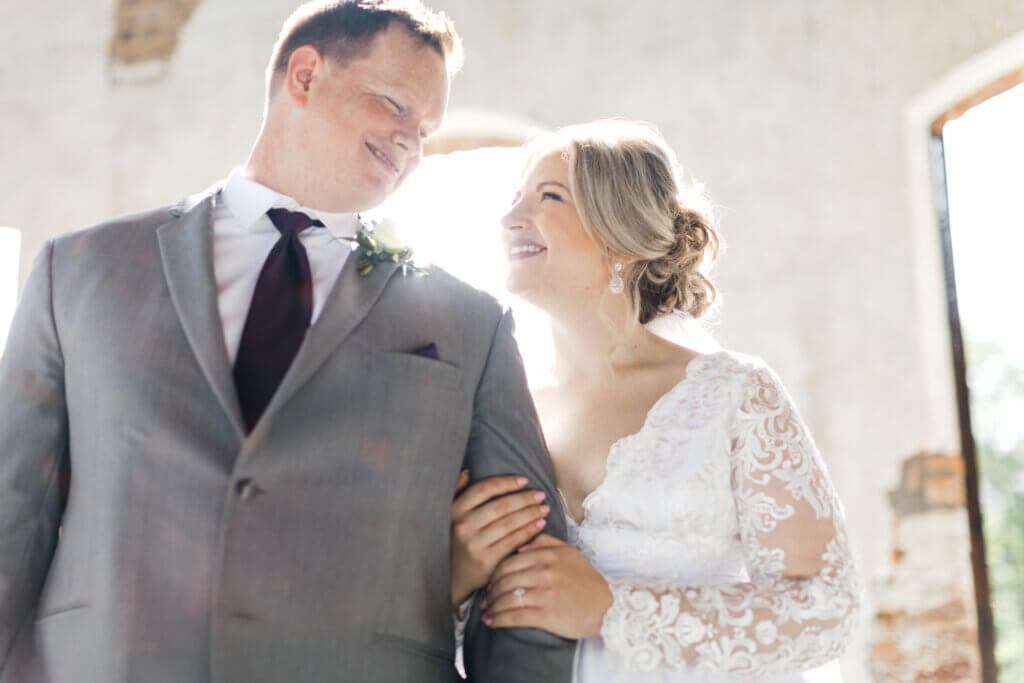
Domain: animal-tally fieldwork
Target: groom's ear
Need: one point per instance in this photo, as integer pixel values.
(303, 66)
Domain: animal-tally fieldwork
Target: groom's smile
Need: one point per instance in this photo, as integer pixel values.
(384, 159)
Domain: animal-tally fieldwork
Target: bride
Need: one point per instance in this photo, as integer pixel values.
(707, 541)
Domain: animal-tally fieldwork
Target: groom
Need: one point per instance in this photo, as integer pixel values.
(226, 454)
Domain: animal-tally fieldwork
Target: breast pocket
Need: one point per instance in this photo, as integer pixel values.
(396, 409)
(403, 393)
(411, 370)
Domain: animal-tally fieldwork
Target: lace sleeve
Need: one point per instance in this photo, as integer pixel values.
(799, 608)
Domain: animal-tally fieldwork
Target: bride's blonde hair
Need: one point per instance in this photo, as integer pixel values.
(628, 190)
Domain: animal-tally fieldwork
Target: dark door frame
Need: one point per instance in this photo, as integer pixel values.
(982, 593)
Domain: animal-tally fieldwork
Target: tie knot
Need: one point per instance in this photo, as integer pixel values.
(291, 222)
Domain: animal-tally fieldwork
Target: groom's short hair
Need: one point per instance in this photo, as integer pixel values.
(343, 30)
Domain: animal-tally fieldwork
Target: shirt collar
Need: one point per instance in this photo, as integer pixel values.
(248, 201)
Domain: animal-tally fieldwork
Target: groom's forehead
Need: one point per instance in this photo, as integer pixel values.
(398, 47)
(422, 75)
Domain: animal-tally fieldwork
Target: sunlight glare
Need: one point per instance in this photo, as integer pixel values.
(984, 151)
(448, 211)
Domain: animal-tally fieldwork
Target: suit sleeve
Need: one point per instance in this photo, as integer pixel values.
(33, 454)
(506, 439)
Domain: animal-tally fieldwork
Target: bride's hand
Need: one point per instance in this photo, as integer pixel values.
(487, 525)
(548, 585)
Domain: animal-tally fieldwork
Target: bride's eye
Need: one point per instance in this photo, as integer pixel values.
(551, 195)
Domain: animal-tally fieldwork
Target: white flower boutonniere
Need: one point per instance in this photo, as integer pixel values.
(379, 241)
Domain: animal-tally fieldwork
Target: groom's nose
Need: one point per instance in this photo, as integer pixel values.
(409, 142)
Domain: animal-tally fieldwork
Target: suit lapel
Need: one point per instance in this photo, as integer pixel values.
(348, 303)
(186, 249)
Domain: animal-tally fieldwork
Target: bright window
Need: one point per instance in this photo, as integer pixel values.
(984, 156)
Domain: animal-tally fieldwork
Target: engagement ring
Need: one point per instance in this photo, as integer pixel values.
(519, 593)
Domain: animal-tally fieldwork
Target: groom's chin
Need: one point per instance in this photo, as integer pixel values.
(373, 195)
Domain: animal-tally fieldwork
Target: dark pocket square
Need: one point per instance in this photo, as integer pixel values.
(428, 351)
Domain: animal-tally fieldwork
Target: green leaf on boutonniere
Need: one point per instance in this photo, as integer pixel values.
(379, 242)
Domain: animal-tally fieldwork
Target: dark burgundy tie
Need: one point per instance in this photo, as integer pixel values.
(279, 316)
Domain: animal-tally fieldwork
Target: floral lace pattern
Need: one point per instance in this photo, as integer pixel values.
(720, 532)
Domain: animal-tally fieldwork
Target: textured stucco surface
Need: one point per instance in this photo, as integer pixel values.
(791, 112)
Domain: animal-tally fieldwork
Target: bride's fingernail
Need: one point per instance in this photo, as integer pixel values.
(522, 481)
(539, 496)
(487, 620)
(541, 523)
(545, 509)
(483, 604)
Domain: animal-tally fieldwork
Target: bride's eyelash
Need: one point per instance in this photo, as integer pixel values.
(552, 195)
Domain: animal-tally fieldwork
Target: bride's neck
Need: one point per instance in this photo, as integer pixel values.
(591, 344)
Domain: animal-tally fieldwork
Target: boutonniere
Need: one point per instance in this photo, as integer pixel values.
(379, 241)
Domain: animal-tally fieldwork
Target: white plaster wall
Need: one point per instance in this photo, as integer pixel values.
(791, 111)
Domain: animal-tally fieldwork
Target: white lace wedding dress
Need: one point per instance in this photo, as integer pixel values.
(722, 538)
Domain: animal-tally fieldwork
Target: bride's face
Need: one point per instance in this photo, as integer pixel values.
(551, 257)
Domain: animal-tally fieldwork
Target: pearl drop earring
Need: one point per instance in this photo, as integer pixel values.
(617, 285)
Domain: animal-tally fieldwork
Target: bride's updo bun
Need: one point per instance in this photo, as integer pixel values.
(631, 198)
(678, 280)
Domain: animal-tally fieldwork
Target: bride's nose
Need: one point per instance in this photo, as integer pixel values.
(512, 220)
(510, 224)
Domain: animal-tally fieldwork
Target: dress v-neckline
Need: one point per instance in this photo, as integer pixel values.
(688, 374)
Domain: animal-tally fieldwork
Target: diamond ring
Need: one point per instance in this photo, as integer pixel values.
(519, 593)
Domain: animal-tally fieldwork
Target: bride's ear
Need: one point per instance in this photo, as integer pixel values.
(614, 258)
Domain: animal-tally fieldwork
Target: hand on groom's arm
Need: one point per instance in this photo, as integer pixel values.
(33, 455)
(506, 439)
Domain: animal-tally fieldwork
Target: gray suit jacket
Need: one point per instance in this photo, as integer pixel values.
(144, 537)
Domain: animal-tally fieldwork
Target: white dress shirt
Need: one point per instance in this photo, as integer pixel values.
(243, 236)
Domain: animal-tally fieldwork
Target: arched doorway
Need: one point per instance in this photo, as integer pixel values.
(967, 148)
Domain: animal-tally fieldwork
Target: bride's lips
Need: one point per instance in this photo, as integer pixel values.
(385, 160)
(519, 249)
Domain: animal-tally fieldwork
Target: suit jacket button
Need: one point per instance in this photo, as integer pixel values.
(246, 489)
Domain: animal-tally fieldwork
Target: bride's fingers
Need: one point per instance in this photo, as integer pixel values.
(493, 510)
(542, 541)
(535, 598)
(518, 563)
(461, 482)
(527, 579)
(467, 530)
(524, 617)
(507, 545)
(484, 490)
(530, 516)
